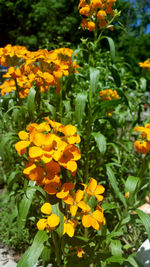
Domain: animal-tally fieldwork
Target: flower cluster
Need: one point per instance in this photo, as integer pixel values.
(51, 221)
(77, 208)
(96, 13)
(145, 64)
(50, 145)
(143, 145)
(108, 94)
(41, 68)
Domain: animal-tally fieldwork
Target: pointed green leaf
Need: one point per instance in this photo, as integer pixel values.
(31, 102)
(30, 258)
(116, 247)
(80, 103)
(145, 220)
(94, 78)
(24, 208)
(100, 141)
(143, 84)
(114, 184)
(132, 261)
(112, 48)
(115, 75)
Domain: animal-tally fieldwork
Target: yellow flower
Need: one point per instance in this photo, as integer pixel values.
(93, 189)
(51, 222)
(94, 219)
(69, 227)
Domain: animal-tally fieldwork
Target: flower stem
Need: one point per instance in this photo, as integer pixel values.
(57, 250)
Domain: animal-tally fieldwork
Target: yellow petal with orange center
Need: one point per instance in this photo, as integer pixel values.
(46, 208)
(53, 220)
(41, 224)
(35, 152)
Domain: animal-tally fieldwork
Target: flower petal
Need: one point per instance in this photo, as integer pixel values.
(35, 152)
(92, 184)
(86, 221)
(53, 220)
(46, 208)
(41, 224)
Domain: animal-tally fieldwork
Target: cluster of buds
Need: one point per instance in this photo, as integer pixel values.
(145, 64)
(41, 68)
(96, 13)
(143, 145)
(77, 210)
(49, 146)
(108, 94)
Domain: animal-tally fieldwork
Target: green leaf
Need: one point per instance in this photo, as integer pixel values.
(132, 261)
(145, 220)
(131, 186)
(109, 206)
(112, 48)
(143, 84)
(115, 259)
(100, 141)
(113, 182)
(57, 209)
(46, 254)
(31, 256)
(94, 78)
(116, 248)
(31, 102)
(24, 208)
(115, 75)
(122, 94)
(80, 103)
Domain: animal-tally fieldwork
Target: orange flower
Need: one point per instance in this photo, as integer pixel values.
(69, 157)
(142, 146)
(51, 222)
(74, 201)
(69, 227)
(94, 189)
(80, 252)
(61, 191)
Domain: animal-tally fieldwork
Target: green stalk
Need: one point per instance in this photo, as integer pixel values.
(57, 250)
(88, 135)
(17, 92)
